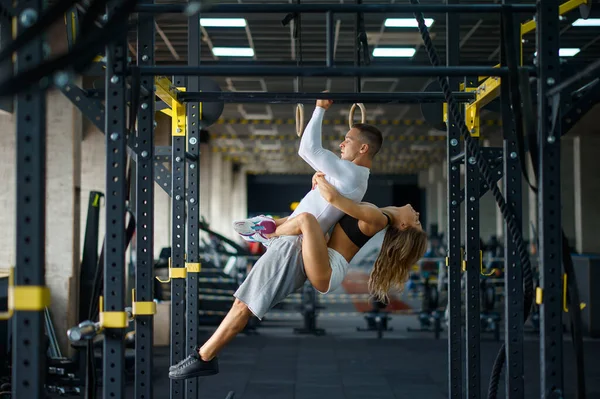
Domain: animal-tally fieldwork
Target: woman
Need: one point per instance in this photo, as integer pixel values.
(326, 263)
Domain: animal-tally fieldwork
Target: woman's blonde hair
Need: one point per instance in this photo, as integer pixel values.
(400, 250)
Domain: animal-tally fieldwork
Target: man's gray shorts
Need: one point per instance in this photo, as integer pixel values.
(278, 273)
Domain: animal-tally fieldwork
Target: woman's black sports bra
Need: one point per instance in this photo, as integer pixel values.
(350, 227)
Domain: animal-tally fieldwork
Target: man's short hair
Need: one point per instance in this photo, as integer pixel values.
(370, 135)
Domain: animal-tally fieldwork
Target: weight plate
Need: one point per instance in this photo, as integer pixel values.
(433, 113)
(585, 9)
(210, 111)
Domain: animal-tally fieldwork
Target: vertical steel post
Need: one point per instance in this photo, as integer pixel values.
(6, 65)
(455, 380)
(144, 272)
(194, 123)
(549, 212)
(116, 195)
(329, 38)
(513, 273)
(178, 283)
(357, 50)
(472, 264)
(29, 356)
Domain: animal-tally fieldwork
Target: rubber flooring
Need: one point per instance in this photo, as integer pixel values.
(277, 363)
(347, 364)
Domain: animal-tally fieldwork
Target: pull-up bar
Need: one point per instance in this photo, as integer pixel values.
(399, 71)
(343, 98)
(337, 8)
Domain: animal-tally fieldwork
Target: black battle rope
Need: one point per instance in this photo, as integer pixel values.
(507, 212)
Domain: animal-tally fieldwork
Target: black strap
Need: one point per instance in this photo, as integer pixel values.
(389, 221)
(517, 87)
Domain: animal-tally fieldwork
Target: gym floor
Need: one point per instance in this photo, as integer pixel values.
(346, 363)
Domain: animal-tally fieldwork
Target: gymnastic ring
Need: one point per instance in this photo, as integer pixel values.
(363, 114)
(299, 119)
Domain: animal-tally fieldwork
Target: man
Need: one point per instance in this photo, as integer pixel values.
(280, 272)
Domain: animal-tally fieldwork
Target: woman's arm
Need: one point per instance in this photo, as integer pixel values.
(365, 212)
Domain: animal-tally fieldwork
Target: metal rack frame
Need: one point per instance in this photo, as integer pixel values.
(30, 117)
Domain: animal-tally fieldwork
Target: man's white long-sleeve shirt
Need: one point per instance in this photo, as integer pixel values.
(349, 179)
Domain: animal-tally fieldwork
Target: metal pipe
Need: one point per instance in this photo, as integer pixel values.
(294, 98)
(336, 8)
(329, 38)
(412, 71)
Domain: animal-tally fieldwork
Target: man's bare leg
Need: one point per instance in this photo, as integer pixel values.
(232, 325)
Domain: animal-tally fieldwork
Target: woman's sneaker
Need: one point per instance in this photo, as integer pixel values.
(247, 228)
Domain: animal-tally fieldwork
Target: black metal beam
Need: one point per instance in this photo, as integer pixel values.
(113, 356)
(549, 204)
(336, 8)
(455, 368)
(6, 65)
(90, 108)
(162, 174)
(514, 379)
(578, 107)
(473, 271)
(370, 71)
(494, 161)
(194, 123)
(293, 98)
(28, 355)
(178, 308)
(144, 208)
(375, 62)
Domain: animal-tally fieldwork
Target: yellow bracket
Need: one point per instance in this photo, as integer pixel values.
(481, 266)
(167, 92)
(178, 119)
(530, 26)
(464, 264)
(112, 319)
(174, 272)
(485, 93)
(193, 267)
(564, 8)
(142, 308)
(166, 111)
(582, 305)
(25, 298)
(539, 295)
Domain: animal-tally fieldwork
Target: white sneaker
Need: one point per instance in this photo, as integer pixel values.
(258, 224)
(258, 237)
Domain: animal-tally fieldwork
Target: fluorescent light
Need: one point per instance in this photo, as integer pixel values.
(568, 52)
(565, 52)
(233, 51)
(394, 52)
(587, 22)
(406, 22)
(223, 22)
